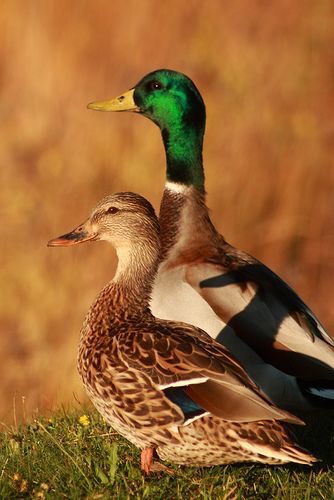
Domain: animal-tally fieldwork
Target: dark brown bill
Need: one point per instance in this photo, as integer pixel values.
(78, 235)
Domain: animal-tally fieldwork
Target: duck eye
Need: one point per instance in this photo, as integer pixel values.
(155, 85)
(111, 210)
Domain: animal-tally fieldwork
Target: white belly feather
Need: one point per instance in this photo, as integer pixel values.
(174, 299)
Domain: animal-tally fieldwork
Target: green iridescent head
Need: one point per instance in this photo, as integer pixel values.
(171, 100)
(168, 97)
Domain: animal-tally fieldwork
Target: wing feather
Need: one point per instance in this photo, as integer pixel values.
(190, 354)
(267, 315)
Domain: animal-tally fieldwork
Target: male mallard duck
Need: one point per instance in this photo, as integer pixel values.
(161, 384)
(205, 281)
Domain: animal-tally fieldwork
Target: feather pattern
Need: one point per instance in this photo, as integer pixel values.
(234, 297)
(163, 384)
(246, 298)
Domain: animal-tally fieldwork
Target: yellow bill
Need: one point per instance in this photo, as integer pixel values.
(124, 102)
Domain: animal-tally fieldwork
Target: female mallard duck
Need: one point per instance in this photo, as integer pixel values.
(161, 384)
(204, 281)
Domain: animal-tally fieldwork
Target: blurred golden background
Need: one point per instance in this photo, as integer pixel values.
(266, 72)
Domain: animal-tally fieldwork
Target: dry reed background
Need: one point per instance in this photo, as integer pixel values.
(265, 70)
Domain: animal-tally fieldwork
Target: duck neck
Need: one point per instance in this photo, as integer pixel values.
(183, 145)
(136, 267)
(126, 296)
(135, 273)
(185, 225)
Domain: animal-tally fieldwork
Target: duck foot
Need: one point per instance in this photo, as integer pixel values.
(146, 460)
(158, 467)
(147, 465)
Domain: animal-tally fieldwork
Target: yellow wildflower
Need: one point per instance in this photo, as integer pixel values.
(23, 486)
(20, 484)
(84, 420)
(40, 495)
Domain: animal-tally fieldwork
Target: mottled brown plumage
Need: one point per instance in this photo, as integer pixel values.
(162, 384)
(204, 281)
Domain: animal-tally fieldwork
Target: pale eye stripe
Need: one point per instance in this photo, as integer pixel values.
(181, 383)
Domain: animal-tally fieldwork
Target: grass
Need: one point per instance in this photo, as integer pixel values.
(76, 455)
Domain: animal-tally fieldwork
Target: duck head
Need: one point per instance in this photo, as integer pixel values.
(123, 219)
(164, 96)
(171, 100)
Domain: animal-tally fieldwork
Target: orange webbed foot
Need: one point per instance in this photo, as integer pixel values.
(146, 460)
